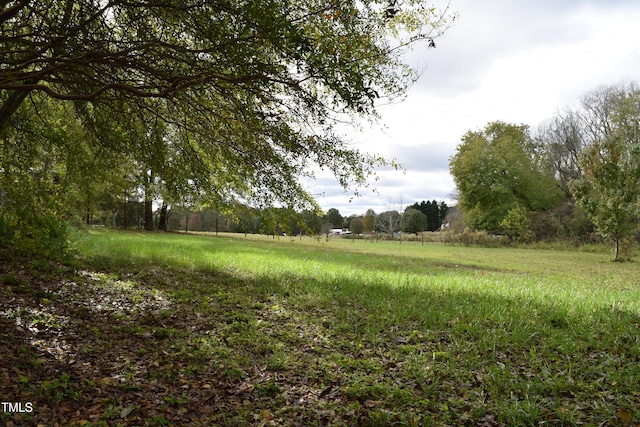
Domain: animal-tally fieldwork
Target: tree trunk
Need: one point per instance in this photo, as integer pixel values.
(89, 216)
(617, 249)
(10, 106)
(148, 214)
(162, 222)
(124, 212)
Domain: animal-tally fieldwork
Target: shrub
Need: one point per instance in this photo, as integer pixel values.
(45, 235)
(517, 226)
(478, 238)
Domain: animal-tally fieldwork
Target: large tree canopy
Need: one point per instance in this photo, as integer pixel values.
(229, 99)
(497, 170)
(80, 49)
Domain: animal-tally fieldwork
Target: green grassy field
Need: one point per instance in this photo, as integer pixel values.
(170, 329)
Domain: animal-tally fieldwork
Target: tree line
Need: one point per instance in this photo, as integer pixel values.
(416, 218)
(575, 175)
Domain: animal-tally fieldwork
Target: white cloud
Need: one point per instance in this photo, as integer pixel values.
(518, 62)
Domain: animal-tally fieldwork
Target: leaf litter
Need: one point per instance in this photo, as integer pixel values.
(164, 347)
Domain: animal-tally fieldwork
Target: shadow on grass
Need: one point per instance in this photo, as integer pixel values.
(139, 342)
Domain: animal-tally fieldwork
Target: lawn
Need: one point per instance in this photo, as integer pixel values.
(173, 329)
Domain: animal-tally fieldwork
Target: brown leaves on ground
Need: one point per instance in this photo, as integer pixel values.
(86, 348)
(158, 347)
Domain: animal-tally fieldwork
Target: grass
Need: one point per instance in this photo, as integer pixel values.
(231, 330)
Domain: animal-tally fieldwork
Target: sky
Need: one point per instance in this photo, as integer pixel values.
(517, 61)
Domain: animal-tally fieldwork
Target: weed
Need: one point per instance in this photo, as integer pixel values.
(11, 279)
(157, 421)
(176, 400)
(59, 388)
(111, 412)
(268, 388)
(165, 333)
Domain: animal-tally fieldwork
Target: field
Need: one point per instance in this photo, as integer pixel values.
(172, 329)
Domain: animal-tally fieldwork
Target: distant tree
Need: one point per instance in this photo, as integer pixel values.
(194, 222)
(326, 230)
(562, 139)
(245, 220)
(433, 215)
(498, 169)
(346, 221)
(413, 221)
(213, 220)
(269, 221)
(131, 215)
(388, 222)
(369, 221)
(334, 218)
(443, 211)
(312, 222)
(434, 212)
(609, 190)
(357, 225)
(454, 221)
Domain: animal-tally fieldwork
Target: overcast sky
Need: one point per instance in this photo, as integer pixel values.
(518, 61)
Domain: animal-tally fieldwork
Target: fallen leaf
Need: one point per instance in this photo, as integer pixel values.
(266, 415)
(624, 415)
(126, 411)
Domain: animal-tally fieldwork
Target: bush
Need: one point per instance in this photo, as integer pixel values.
(45, 235)
(517, 225)
(478, 238)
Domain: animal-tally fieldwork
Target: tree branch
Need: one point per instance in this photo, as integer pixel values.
(12, 11)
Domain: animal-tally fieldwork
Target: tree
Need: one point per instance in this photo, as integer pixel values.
(413, 221)
(275, 67)
(443, 212)
(434, 212)
(269, 222)
(151, 157)
(562, 139)
(357, 225)
(81, 50)
(388, 222)
(312, 222)
(50, 166)
(246, 93)
(334, 218)
(244, 219)
(609, 190)
(369, 221)
(498, 169)
(346, 221)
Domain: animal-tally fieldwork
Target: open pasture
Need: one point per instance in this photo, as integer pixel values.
(176, 329)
